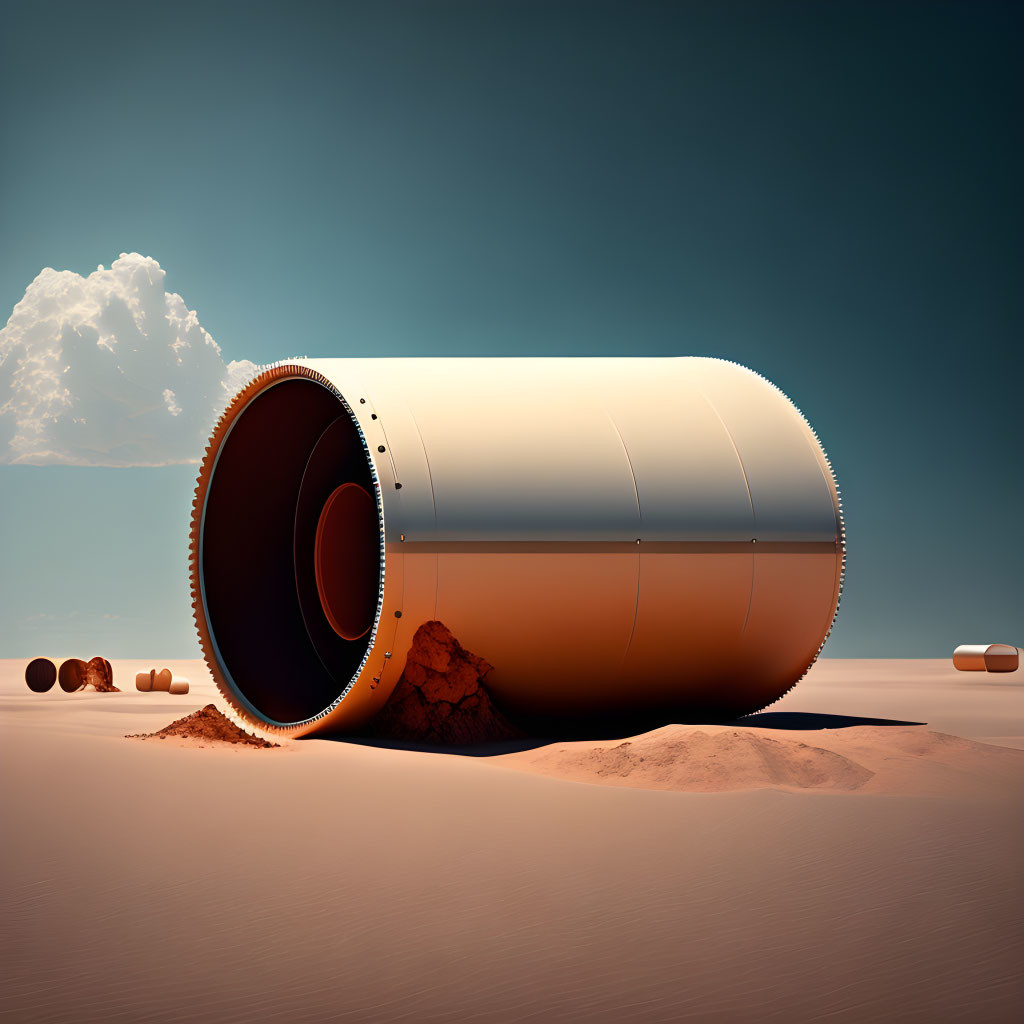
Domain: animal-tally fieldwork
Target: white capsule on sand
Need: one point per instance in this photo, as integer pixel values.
(986, 658)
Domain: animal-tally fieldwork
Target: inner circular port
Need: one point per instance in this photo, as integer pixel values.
(347, 561)
(288, 450)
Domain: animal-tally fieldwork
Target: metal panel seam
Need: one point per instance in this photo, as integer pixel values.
(750, 498)
(640, 516)
(433, 504)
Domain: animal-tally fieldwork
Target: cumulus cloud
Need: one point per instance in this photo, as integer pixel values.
(109, 370)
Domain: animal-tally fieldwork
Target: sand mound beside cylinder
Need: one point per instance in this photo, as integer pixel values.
(441, 697)
(203, 727)
(706, 762)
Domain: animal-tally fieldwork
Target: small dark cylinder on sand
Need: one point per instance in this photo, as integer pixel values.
(72, 675)
(40, 675)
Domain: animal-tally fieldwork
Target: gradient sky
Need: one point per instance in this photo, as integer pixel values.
(829, 193)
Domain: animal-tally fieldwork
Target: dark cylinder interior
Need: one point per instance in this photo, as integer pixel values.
(289, 451)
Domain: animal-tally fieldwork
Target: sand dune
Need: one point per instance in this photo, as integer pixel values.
(704, 761)
(712, 759)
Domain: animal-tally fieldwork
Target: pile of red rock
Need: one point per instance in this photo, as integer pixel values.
(207, 725)
(441, 698)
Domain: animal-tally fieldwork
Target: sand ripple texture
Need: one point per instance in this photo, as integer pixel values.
(708, 762)
(713, 759)
(325, 881)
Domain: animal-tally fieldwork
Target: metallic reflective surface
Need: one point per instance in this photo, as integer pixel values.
(616, 536)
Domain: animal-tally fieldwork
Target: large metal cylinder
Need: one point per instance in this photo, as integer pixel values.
(616, 536)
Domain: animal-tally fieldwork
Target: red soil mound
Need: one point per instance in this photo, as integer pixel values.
(207, 725)
(100, 676)
(441, 697)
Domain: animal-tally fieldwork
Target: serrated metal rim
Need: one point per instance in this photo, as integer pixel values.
(263, 378)
(841, 538)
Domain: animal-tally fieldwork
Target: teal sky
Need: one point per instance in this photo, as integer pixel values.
(829, 193)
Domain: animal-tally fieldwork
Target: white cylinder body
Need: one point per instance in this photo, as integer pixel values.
(614, 535)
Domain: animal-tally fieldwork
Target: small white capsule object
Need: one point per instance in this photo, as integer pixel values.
(986, 658)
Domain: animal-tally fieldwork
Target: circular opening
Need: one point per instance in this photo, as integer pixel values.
(347, 565)
(288, 450)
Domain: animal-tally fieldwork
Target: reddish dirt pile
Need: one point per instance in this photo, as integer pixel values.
(441, 698)
(207, 725)
(100, 676)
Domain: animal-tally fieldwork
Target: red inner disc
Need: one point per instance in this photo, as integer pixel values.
(347, 560)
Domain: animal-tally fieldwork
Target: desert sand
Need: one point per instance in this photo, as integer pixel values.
(851, 854)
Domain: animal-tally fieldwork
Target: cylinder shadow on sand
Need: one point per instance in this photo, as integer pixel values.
(597, 730)
(808, 720)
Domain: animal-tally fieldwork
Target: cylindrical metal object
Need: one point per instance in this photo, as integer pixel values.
(72, 675)
(986, 658)
(40, 674)
(617, 536)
